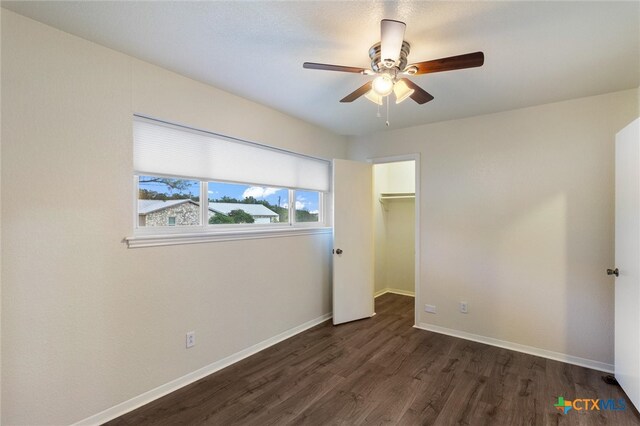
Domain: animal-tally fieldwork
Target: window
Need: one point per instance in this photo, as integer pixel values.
(245, 187)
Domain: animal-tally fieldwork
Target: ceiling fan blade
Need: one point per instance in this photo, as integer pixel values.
(469, 60)
(391, 38)
(419, 95)
(329, 67)
(357, 93)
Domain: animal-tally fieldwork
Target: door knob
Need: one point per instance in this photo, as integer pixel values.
(339, 251)
(613, 272)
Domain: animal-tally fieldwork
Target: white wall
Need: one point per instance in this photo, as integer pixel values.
(394, 227)
(517, 218)
(86, 322)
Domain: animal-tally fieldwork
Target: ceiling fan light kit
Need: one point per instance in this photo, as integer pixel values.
(402, 91)
(389, 61)
(373, 97)
(383, 84)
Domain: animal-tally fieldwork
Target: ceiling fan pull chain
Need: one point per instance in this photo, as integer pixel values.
(387, 122)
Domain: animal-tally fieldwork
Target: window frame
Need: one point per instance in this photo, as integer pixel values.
(152, 236)
(146, 236)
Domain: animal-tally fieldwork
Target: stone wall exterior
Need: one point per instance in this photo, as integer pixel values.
(185, 214)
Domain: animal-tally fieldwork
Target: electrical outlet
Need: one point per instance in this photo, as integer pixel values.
(464, 307)
(430, 308)
(191, 339)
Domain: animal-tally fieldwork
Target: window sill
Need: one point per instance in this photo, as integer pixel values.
(140, 241)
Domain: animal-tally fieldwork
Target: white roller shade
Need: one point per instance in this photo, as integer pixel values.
(162, 149)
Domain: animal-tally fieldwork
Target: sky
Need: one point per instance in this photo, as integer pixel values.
(305, 200)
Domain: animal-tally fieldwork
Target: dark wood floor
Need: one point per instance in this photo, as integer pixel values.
(383, 371)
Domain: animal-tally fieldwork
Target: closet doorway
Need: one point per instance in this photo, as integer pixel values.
(396, 224)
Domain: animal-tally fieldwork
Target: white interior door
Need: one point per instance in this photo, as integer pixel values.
(627, 284)
(352, 241)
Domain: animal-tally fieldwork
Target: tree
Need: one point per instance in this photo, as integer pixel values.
(172, 184)
(240, 216)
(147, 194)
(282, 213)
(252, 200)
(306, 216)
(220, 219)
(224, 199)
(234, 216)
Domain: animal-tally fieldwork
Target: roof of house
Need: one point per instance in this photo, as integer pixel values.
(150, 206)
(252, 209)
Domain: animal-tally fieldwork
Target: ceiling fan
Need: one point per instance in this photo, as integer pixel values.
(389, 65)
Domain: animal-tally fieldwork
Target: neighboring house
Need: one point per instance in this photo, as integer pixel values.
(259, 212)
(168, 213)
(186, 212)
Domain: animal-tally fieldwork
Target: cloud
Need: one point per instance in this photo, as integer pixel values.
(314, 212)
(258, 192)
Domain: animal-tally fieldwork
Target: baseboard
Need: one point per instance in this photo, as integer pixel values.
(160, 391)
(394, 291)
(556, 356)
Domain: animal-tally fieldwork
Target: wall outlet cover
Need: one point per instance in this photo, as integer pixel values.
(430, 308)
(191, 339)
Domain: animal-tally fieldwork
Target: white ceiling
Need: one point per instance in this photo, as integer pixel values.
(535, 52)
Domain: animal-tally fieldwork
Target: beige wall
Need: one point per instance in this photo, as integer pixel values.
(394, 227)
(517, 219)
(400, 245)
(0, 230)
(395, 177)
(86, 322)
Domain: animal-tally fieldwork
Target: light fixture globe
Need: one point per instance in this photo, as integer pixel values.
(402, 91)
(373, 97)
(383, 84)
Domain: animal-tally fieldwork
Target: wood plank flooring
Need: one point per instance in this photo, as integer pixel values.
(383, 371)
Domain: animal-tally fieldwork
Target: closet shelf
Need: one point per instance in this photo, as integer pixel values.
(396, 196)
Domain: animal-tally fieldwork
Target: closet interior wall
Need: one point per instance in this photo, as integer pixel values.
(394, 218)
